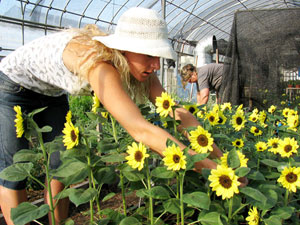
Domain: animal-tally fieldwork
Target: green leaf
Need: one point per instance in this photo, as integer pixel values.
(162, 172)
(26, 155)
(16, 172)
(159, 192)
(222, 136)
(44, 129)
(75, 178)
(133, 176)
(105, 175)
(113, 158)
(32, 113)
(70, 167)
(105, 147)
(253, 193)
(270, 162)
(109, 196)
(273, 220)
(256, 175)
(233, 159)
(130, 221)
(171, 142)
(81, 196)
(26, 212)
(211, 218)
(272, 199)
(283, 212)
(197, 199)
(242, 171)
(172, 205)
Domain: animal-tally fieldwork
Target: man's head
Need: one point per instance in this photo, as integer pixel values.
(188, 73)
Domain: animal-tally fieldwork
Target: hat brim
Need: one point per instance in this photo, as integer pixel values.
(159, 48)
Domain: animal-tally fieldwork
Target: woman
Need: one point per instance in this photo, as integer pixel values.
(118, 68)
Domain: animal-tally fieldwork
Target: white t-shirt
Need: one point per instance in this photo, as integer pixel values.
(38, 66)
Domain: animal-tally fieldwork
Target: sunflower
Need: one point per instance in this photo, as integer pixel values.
(137, 155)
(201, 140)
(104, 115)
(19, 121)
(287, 147)
(272, 109)
(253, 216)
(261, 146)
(262, 116)
(71, 137)
(285, 112)
(242, 158)
(200, 114)
(191, 108)
(238, 143)
(238, 120)
(96, 104)
(282, 102)
(212, 117)
(290, 178)
(174, 158)
(273, 143)
(164, 104)
(226, 106)
(293, 122)
(253, 117)
(222, 118)
(224, 182)
(254, 130)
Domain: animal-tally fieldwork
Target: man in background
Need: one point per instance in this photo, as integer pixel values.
(207, 78)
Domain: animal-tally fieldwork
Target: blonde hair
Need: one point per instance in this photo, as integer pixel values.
(185, 73)
(97, 52)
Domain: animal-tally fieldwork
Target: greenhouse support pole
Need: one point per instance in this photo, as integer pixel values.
(162, 61)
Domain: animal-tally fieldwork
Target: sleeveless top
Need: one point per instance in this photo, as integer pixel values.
(38, 66)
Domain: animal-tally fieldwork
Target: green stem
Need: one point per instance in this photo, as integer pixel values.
(174, 123)
(123, 193)
(230, 209)
(47, 177)
(113, 124)
(286, 197)
(177, 194)
(90, 186)
(181, 179)
(149, 191)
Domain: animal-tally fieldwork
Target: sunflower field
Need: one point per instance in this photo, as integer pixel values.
(260, 146)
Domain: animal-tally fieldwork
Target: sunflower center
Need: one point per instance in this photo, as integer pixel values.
(275, 145)
(225, 181)
(166, 104)
(138, 156)
(211, 118)
(176, 158)
(73, 136)
(220, 120)
(238, 143)
(256, 130)
(192, 110)
(291, 177)
(239, 121)
(202, 140)
(287, 148)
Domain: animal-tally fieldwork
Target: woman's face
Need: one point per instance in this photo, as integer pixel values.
(141, 66)
(193, 78)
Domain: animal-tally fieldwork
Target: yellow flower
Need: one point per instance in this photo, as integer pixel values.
(289, 178)
(238, 143)
(137, 155)
(242, 158)
(96, 103)
(216, 108)
(253, 117)
(253, 216)
(287, 147)
(240, 107)
(293, 122)
(273, 143)
(222, 118)
(261, 146)
(254, 130)
(69, 117)
(19, 121)
(71, 137)
(174, 158)
(238, 120)
(200, 114)
(226, 105)
(191, 108)
(104, 114)
(262, 117)
(164, 104)
(201, 140)
(224, 182)
(272, 109)
(282, 102)
(285, 112)
(212, 117)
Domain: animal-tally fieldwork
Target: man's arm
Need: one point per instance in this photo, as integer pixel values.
(202, 96)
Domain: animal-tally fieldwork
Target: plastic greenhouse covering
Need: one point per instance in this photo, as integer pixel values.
(192, 26)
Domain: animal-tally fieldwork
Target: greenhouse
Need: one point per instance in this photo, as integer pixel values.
(150, 112)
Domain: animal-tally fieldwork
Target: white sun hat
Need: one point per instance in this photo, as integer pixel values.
(140, 30)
